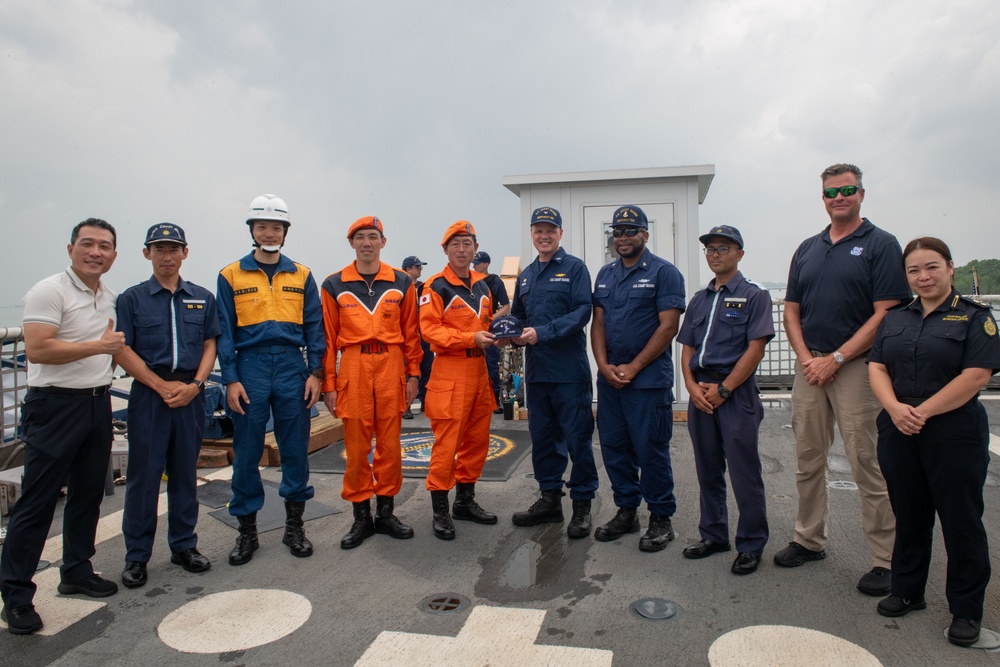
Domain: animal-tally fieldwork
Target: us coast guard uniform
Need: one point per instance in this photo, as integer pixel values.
(554, 298)
(265, 325)
(459, 397)
(635, 423)
(168, 331)
(719, 325)
(941, 469)
(375, 330)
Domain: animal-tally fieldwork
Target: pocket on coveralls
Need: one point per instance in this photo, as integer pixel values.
(438, 395)
(661, 424)
(342, 411)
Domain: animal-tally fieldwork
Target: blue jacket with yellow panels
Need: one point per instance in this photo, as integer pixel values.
(256, 312)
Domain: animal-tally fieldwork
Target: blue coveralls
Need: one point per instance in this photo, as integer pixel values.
(265, 326)
(942, 469)
(168, 332)
(554, 298)
(635, 423)
(719, 325)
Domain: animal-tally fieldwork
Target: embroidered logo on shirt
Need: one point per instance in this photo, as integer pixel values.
(990, 327)
(297, 290)
(857, 250)
(955, 318)
(245, 290)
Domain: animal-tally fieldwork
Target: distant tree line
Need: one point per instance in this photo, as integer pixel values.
(989, 276)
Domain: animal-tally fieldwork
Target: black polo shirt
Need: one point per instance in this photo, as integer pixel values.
(837, 284)
(923, 354)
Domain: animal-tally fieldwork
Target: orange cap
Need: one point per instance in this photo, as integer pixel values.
(367, 222)
(460, 228)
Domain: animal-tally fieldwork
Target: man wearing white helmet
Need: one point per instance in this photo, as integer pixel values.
(269, 310)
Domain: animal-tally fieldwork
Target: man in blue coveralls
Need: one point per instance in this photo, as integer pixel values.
(724, 333)
(638, 301)
(170, 327)
(552, 300)
(270, 310)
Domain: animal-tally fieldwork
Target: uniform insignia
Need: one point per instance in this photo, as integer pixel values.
(955, 318)
(245, 290)
(954, 302)
(560, 275)
(468, 229)
(857, 250)
(425, 299)
(297, 290)
(990, 327)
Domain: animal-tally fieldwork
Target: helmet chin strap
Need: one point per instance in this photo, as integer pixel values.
(270, 249)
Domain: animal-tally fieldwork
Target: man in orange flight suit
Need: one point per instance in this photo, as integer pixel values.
(455, 313)
(370, 317)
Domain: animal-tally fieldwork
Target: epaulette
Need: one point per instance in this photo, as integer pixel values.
(902, 304)
(755, 284)
(974, 302)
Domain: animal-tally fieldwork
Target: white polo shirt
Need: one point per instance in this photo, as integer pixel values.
(80, 315)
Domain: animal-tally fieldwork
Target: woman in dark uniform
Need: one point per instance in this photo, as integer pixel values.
(929, 360)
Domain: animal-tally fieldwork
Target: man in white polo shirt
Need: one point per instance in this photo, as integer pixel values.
(69, 339)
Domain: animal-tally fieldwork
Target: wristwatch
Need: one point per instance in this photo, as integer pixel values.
(838, 357)
(317, 373)
(200, 384)
(723, 392)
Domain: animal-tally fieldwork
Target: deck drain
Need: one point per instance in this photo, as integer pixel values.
(655, 608)
(529, 475)
(443, 603)
(843, 485)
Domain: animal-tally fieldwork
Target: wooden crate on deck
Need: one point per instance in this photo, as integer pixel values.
(325, 430)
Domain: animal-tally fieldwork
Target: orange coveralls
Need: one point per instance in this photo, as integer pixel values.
(459, 398)
(375, 330)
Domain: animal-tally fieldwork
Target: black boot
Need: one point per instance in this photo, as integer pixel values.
(246, 541)
(295, 534)
(547, 509)
(466, 508)
(386, 523)
(361, 529)
(499, 408)
(658, 534)
(443, 526)
(579, 525)
(626, 521)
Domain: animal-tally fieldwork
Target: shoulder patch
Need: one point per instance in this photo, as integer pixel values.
(990, 327)
(425, 299)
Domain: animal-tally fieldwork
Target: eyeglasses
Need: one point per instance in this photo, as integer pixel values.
(628, 232)
(720, 250)
(846, 190)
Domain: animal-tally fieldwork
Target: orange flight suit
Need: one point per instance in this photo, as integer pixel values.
(375, 330)
(459, 398)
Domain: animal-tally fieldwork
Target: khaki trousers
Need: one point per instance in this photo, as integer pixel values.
(849, 401)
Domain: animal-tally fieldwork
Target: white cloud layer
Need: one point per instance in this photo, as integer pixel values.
(140, 112)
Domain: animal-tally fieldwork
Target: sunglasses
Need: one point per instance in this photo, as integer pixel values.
(846, 190)
(628, 232)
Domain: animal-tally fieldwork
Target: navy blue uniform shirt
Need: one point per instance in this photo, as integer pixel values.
(836, 285)
(923, 354)
(719, 324)
(632, 299)
(498, 291)
(554, 298)
(168, 331)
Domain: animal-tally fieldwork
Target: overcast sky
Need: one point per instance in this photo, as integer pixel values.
(184, 111)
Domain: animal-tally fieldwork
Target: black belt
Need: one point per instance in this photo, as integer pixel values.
(72, 391)
(473, 352)
(713, 375)
(170, 376)
(374, 348)
(272, 349)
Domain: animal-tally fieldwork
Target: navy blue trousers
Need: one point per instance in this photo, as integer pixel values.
(493, 367)
(66, 439)
(730, 435)
(634, 427)
(561, 423)
(274, 379)
(161, 438)
(942, 469)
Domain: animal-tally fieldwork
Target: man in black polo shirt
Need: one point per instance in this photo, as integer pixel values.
(69, 339)
(501, 306)
(840, 284)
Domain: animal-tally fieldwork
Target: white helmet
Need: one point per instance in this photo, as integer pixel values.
(268, 207)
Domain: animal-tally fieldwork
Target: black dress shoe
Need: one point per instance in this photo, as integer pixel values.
(705, 548)
(190, 560)
(745, 563)
(894, 606)
(963, 631)
(22, 620)
(94, 586)
(134, 574)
